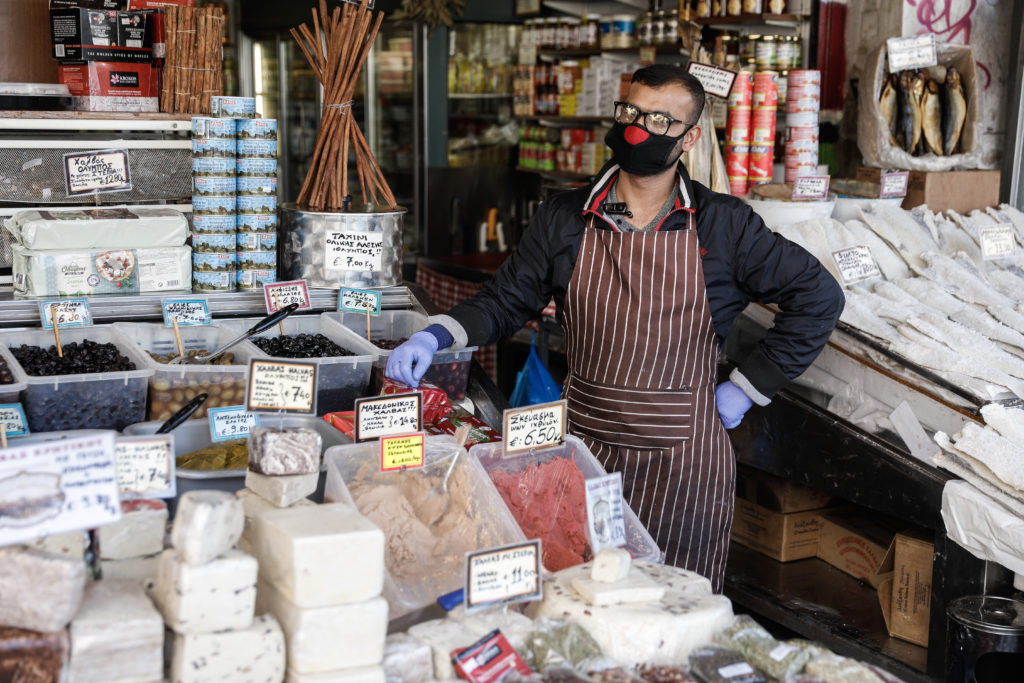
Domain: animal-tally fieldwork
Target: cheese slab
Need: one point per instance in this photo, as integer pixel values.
(407, 659)
(40, 591)
(284, 451)
(31, 656)
(117, 635)
(515, 626)
(611, 565)
(139, 532)
(70, 544)
(252, 505)
(320, 555)
(323, 639)
(250, 655)
(443, 636)
(636, 587)
(206, 525)
(658, 633)
(281, 490)
(141, 570)
(362, 674)
(210, 597)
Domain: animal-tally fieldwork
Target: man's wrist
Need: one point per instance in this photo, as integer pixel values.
(441, 334)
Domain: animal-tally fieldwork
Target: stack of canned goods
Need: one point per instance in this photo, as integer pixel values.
(737, 133)
(802, 106)
(762, 126)
(214, 204)
(256, 235)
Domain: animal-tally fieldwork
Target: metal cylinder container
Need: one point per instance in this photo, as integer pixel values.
(984, 639)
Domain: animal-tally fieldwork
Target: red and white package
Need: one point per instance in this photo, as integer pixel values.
(112, 86)
(435, 401)
(489, 660)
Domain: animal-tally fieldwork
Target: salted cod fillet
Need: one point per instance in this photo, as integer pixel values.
(1009, 422)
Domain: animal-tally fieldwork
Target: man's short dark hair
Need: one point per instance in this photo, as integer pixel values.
(658, 75)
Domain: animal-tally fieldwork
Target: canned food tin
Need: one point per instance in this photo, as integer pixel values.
(256, 167)
(802, 133)
(207, 187)
(213, 225)
(761, 163)
(210, 244)
(255, 279)
(262, 204)
(766, 90)
(799, 77)
(623, 30)
(256, 222)
(257, 260)
(258, 149)
(742, 94)
(256, 241)
(213, 168)
(762, 127)
(233, 107)
(737, 161)
(806, 119)
(213, 262)
(738, 186)
(212, 282)
(213, 206)
(207, 127)
(737, 126)
(257, 129)
(213, 147)
(250, 186)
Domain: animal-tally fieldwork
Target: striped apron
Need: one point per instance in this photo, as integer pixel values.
(642, 358)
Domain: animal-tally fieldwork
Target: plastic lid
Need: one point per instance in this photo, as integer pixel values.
(1001, 615)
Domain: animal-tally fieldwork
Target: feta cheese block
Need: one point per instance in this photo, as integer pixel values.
(117, 635)
(39, 591)
(70, 544)
(30, 656)
(324, 639)
(635, 587)
(443, 636)
(284, 451)
(320, 555)
(515, 626)
(362, 674)
(249, 655)
(280, 490)
(209, 597)
(138, 569)
(611, 565)
(206, 525)
(407, 659)
(658, 633)
(252, 505)
(139, 532)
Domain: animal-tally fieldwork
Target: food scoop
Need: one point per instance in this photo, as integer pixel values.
(265, 324)
(438, 501)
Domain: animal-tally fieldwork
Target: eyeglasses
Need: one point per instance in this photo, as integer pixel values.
(654, 122)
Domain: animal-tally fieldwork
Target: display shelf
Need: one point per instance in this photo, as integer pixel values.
(562, 175)
(752, 19)
(567, 120)
(597, 51)
(479, 96)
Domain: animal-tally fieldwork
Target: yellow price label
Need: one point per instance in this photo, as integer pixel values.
(401, 452)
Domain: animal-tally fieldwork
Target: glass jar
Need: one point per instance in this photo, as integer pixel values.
(590, 31)
(748, 48)
(571, 34)
(645, 29)
(765, 52)
(671, 27)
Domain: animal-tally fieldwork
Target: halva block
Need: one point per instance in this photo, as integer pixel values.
(139, 532)
(249, 655)
(39, 591)
(207, 524)
(284, 451)
(210, 597)
(281, 490)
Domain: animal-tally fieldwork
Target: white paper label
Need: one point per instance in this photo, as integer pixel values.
(231, 422)
(781, 651)
(96, 172)
(145, 466)
(277, 295)
(359, 300)
(894, 184)
(160, 270)
(811, 187)
(388, 415)
(856, 264)
(58, 486)
(733, 670)
(500, 575)
(915, 52)
(716, 81)
(534, 427)
(605, 519)
(186, 312)
(910, 430)
(279, 385)
(12, 417)
(353, 251)
(997, 241)
(67, 312)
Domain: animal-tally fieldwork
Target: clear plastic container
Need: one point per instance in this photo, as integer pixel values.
(450, 369)
(95, 400)
(172, 386)
(10, 393)
(340, 380)
(638, 542)
(477, 518)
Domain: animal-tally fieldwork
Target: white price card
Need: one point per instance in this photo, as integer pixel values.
(388, 415)
(503, 575)
(12, 417)
(359, 300)
(894, 184)
(277, 295)
(716, 80)
(186, 312)
(56, 486)
(915, 52)
(96, 172)
(910, 430)
(353, 251)
(997, 241)
(282, 386)
(67, 313)
(856, 264)
(606, 521)
(534, 427)
(811, 187)
(145, 466)
(231, 422)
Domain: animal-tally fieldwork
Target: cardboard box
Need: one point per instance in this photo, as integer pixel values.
(854, 543)
(783, 537)
(905, 587)
(112, 86)
(88, 4)
(776, 493)
(101, 35)
(961, 191)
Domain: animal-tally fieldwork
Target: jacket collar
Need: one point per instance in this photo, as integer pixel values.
(600, 188)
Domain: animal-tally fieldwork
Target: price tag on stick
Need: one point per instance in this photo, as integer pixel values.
(997, 241)
(401, 452)
(231, 422)
(811, 187)
(185, 312)
(503, 575)
(145, 466)
(534, 427)
(280, 294)
(13, 420)
(285, 386)
(388, 415)
(606, 521)
(856, 264)
(96, 172)
(359, 300)
(67, 313)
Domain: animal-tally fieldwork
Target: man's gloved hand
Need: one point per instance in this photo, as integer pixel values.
(733, 403)
(409, 362)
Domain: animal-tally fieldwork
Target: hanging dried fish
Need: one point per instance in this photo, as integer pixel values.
(954, 111)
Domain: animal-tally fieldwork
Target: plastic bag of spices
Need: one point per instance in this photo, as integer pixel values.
(558, 645)
(435, 400)
(713, 664)
(774, 658)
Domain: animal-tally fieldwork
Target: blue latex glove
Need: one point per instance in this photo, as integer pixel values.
(733, 403)
(409, 362)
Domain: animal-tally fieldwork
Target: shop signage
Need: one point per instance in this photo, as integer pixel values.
(915, 52)
(894, 184)
(401, 452)
(388, 415)
(997, 241)
(280, 294)
(503, 575)
(281, 386)
(811, 187)
(12, 419)
(353, 251)
(856, 264)
(231, 422)
(534, 427)
(67, 313)
(605, 519)
(185, 311)
(716, 80)
(96, 172)
(145, 466)
(359, 300)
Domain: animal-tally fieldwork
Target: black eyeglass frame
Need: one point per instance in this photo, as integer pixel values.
(644, 114)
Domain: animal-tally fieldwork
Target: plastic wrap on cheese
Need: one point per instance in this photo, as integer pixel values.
(120, 228)
(85, 272)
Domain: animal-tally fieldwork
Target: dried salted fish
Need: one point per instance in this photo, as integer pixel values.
(1009, 422)
(1004, 213)
(968, 342)
(954, 111)
(929, 353)
(1008, 316)
(888, 104)
(858, 313)
(923, 289)
(1001, 456)
(889, 262)
(982, 322)
(951, 275)
(931, 116)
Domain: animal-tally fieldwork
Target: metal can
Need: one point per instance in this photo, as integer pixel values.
(256, 222)
(762, 127)
(256, 241)
(737, 126)
(209, 244)
(257, 260)
(206, 187)
(213, 225)
(623, 30)
(259, 149)
(213, 148)
(233, 107)
(766, 90)
(257, 187)
(742, 94)
(737, 161)
(764, 53)
(256, 167)
(255, 279)
(257, 129)
(262, 204)
(761, 157)
(213, 128)
(213, 262)
(213, 168)
(802, 133)
(213, 206)
(203, 281)
(798, 77)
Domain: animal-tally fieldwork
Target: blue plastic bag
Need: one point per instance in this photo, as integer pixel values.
(534, 384)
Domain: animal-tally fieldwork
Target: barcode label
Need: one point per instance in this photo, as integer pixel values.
(58, 50)
(174, 283)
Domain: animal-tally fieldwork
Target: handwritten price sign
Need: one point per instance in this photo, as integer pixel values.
(67, 313)
(353, 250)
(281, 294)
(186, 312)
(811, 187)
(96, 172)
(503, 575)
(145, 466)
(915, 52)
(12, 417)
(856, 264)
(279, 385)
(388, 415)
(401, 452)
(894, 184)
(997, 241)
(534, 427)
(359, 300)
(716, 81)
(231, 422)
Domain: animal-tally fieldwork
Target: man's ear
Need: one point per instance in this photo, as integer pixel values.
(691, 138)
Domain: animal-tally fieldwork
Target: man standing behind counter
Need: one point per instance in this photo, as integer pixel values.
(649, 270)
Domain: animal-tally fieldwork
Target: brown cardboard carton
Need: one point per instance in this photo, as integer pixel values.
(783, 537)
(854, 544)
(905, 587)
(961, 191)
(776, 493)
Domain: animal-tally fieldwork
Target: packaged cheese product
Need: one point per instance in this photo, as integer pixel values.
(113, 228)
(91, 272)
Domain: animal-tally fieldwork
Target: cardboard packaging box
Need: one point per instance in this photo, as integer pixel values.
(961, 191)
(905, 587)
(101, 35)
(112, 86)
(776, 493)
(854, 543)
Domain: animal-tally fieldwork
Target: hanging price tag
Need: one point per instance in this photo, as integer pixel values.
(915, 52)
(145, 466)
(12, 417)
(388, 415)
(231, 422)
(856, 264)
(894, 184)
(534, 427)
(605, 519)
(281, 294)
(96, 172)
(997, 241)
(359, 300)
(716, 80)
(353, 251)
(401, 452)
(68, 313)
(503, 575)
(185, 311)
(280, 385)
(811, 187)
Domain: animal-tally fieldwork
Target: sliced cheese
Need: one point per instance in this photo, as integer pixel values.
(281, 490)
(138, 533)
(207, 524)
(363, 674)
(250, 655)
(611, 565)
(210, 597)
(39, 591)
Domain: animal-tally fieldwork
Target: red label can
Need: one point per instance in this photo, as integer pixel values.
(761, 157)
(742, 94)
(766, 90)
(737, 160)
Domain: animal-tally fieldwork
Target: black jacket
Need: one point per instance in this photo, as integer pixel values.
(742, 260)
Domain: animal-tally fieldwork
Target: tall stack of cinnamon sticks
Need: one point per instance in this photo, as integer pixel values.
(336, 48)
(193, 68)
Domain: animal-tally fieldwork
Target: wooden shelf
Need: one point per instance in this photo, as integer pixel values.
(561, 175)
(751, 19)
(597, 51)
(479, 96)
(556, 120)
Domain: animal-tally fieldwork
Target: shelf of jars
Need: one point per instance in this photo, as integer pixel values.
(751, 19)
(675, 49)
(480, 96)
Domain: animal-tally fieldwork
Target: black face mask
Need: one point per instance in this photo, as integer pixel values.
(645, 157)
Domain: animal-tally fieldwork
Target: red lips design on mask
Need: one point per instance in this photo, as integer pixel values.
(634, 135)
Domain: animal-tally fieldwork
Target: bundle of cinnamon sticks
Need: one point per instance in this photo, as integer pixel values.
(193, 67)
(336, 48)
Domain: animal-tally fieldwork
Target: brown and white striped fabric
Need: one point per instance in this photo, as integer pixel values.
(642, 357)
